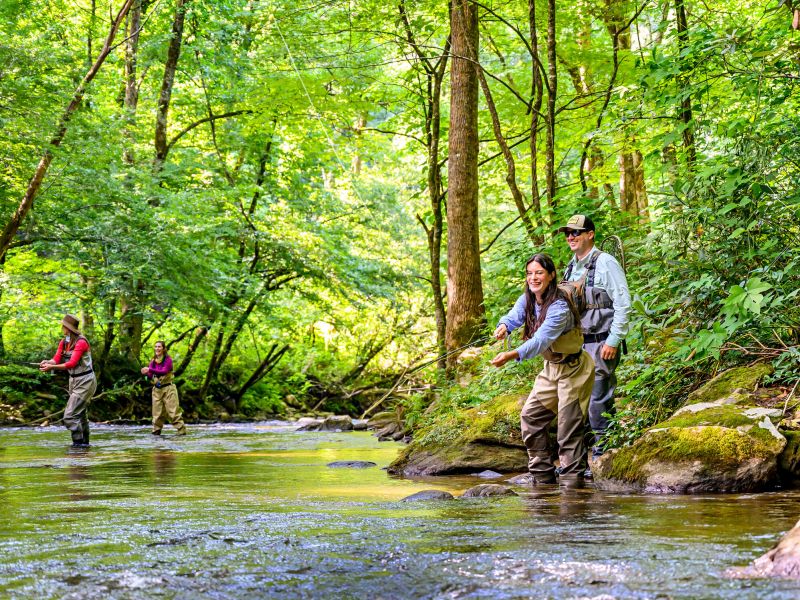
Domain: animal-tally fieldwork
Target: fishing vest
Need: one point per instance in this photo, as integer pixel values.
(567, 347)
(84, 366)
(598, 311)
(163, 380)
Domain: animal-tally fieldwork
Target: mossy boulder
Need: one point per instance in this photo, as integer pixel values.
(704, 447)
(484, 437)
(731, 386)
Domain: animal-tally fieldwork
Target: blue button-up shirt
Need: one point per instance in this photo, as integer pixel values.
(558, 320)
(609, 276)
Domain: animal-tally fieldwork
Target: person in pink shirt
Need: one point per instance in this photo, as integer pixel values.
(75, 357)
(165, 394)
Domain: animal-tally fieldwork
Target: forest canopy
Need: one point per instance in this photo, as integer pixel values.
(309, 201)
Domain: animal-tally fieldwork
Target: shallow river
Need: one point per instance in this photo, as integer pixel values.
(252, 511)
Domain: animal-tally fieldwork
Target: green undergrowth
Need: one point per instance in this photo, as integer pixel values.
(485, 406)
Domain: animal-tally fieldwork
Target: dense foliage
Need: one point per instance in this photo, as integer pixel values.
(267, 209)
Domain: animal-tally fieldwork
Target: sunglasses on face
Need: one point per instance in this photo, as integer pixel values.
(572, 233)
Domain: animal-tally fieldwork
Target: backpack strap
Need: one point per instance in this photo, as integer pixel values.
(590, 268)
(568, 272)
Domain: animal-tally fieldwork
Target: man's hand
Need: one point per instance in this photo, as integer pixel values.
(503, 358)
(608, 352)
(501, 332)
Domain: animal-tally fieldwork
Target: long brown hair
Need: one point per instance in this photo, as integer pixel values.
(550, 295)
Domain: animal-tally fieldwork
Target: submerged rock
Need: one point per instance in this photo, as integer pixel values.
(707, 447)
(782, 561)
(429, 495)
(485, 437)
(486, 490)
(351, 464)
(489, 474)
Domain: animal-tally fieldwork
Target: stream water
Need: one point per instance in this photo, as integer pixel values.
(252, 511)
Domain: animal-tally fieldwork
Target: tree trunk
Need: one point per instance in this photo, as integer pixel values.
(537, 94)
(685, 110)
(465, 310)
(552, 87)
(200, 333)
(11, 228)
(269, 363)
(173, 54)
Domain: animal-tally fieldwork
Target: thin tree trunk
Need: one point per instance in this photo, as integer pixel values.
(269, 363)
(552, 86)
(537, 94)
(465, 311)
(167, 83)
(11, 228)
(200, 333)
(511, 167)
(684, 83)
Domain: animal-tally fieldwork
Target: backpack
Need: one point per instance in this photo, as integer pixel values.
(575, 291)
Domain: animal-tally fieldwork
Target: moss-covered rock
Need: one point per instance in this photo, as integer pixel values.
(485, 437)
(704, 447)
(789, 460)
(731, 386)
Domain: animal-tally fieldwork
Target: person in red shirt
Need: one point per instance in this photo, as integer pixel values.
(75, 357)
(165, 394)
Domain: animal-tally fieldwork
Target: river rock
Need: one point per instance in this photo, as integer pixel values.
(488, 474)
(337, 423)
(782, 561)
(484, 437)
(309, 424)
(387, 426)
(428, 495)
(705, 447)
(351, 464)
(486, 490)
(732, 386)
(359, 424)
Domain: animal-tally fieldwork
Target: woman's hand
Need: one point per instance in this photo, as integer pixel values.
(501, 332)
(502, 358)
(46, 365)
(145, 370)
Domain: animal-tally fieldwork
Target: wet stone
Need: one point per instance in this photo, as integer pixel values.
(428, 495)
(351, 464)
(486, 490)
(489, 474)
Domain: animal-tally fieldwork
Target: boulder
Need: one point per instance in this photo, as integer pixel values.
(309, 424)
(428, 495)
(484, 437)
(731, 386)
(337, 423)
(704, 447)
(782, 561)
(486, 490)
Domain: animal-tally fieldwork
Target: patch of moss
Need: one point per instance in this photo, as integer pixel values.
(718, 448)
(496, 419)
(723, 385)
(724, 415)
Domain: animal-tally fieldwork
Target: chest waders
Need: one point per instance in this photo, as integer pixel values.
(82, 385)
(561, 390)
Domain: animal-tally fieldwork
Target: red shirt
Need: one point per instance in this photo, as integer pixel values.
(81, 346)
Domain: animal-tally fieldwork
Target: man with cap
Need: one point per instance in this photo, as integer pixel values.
(605, 320)
(75, 357)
